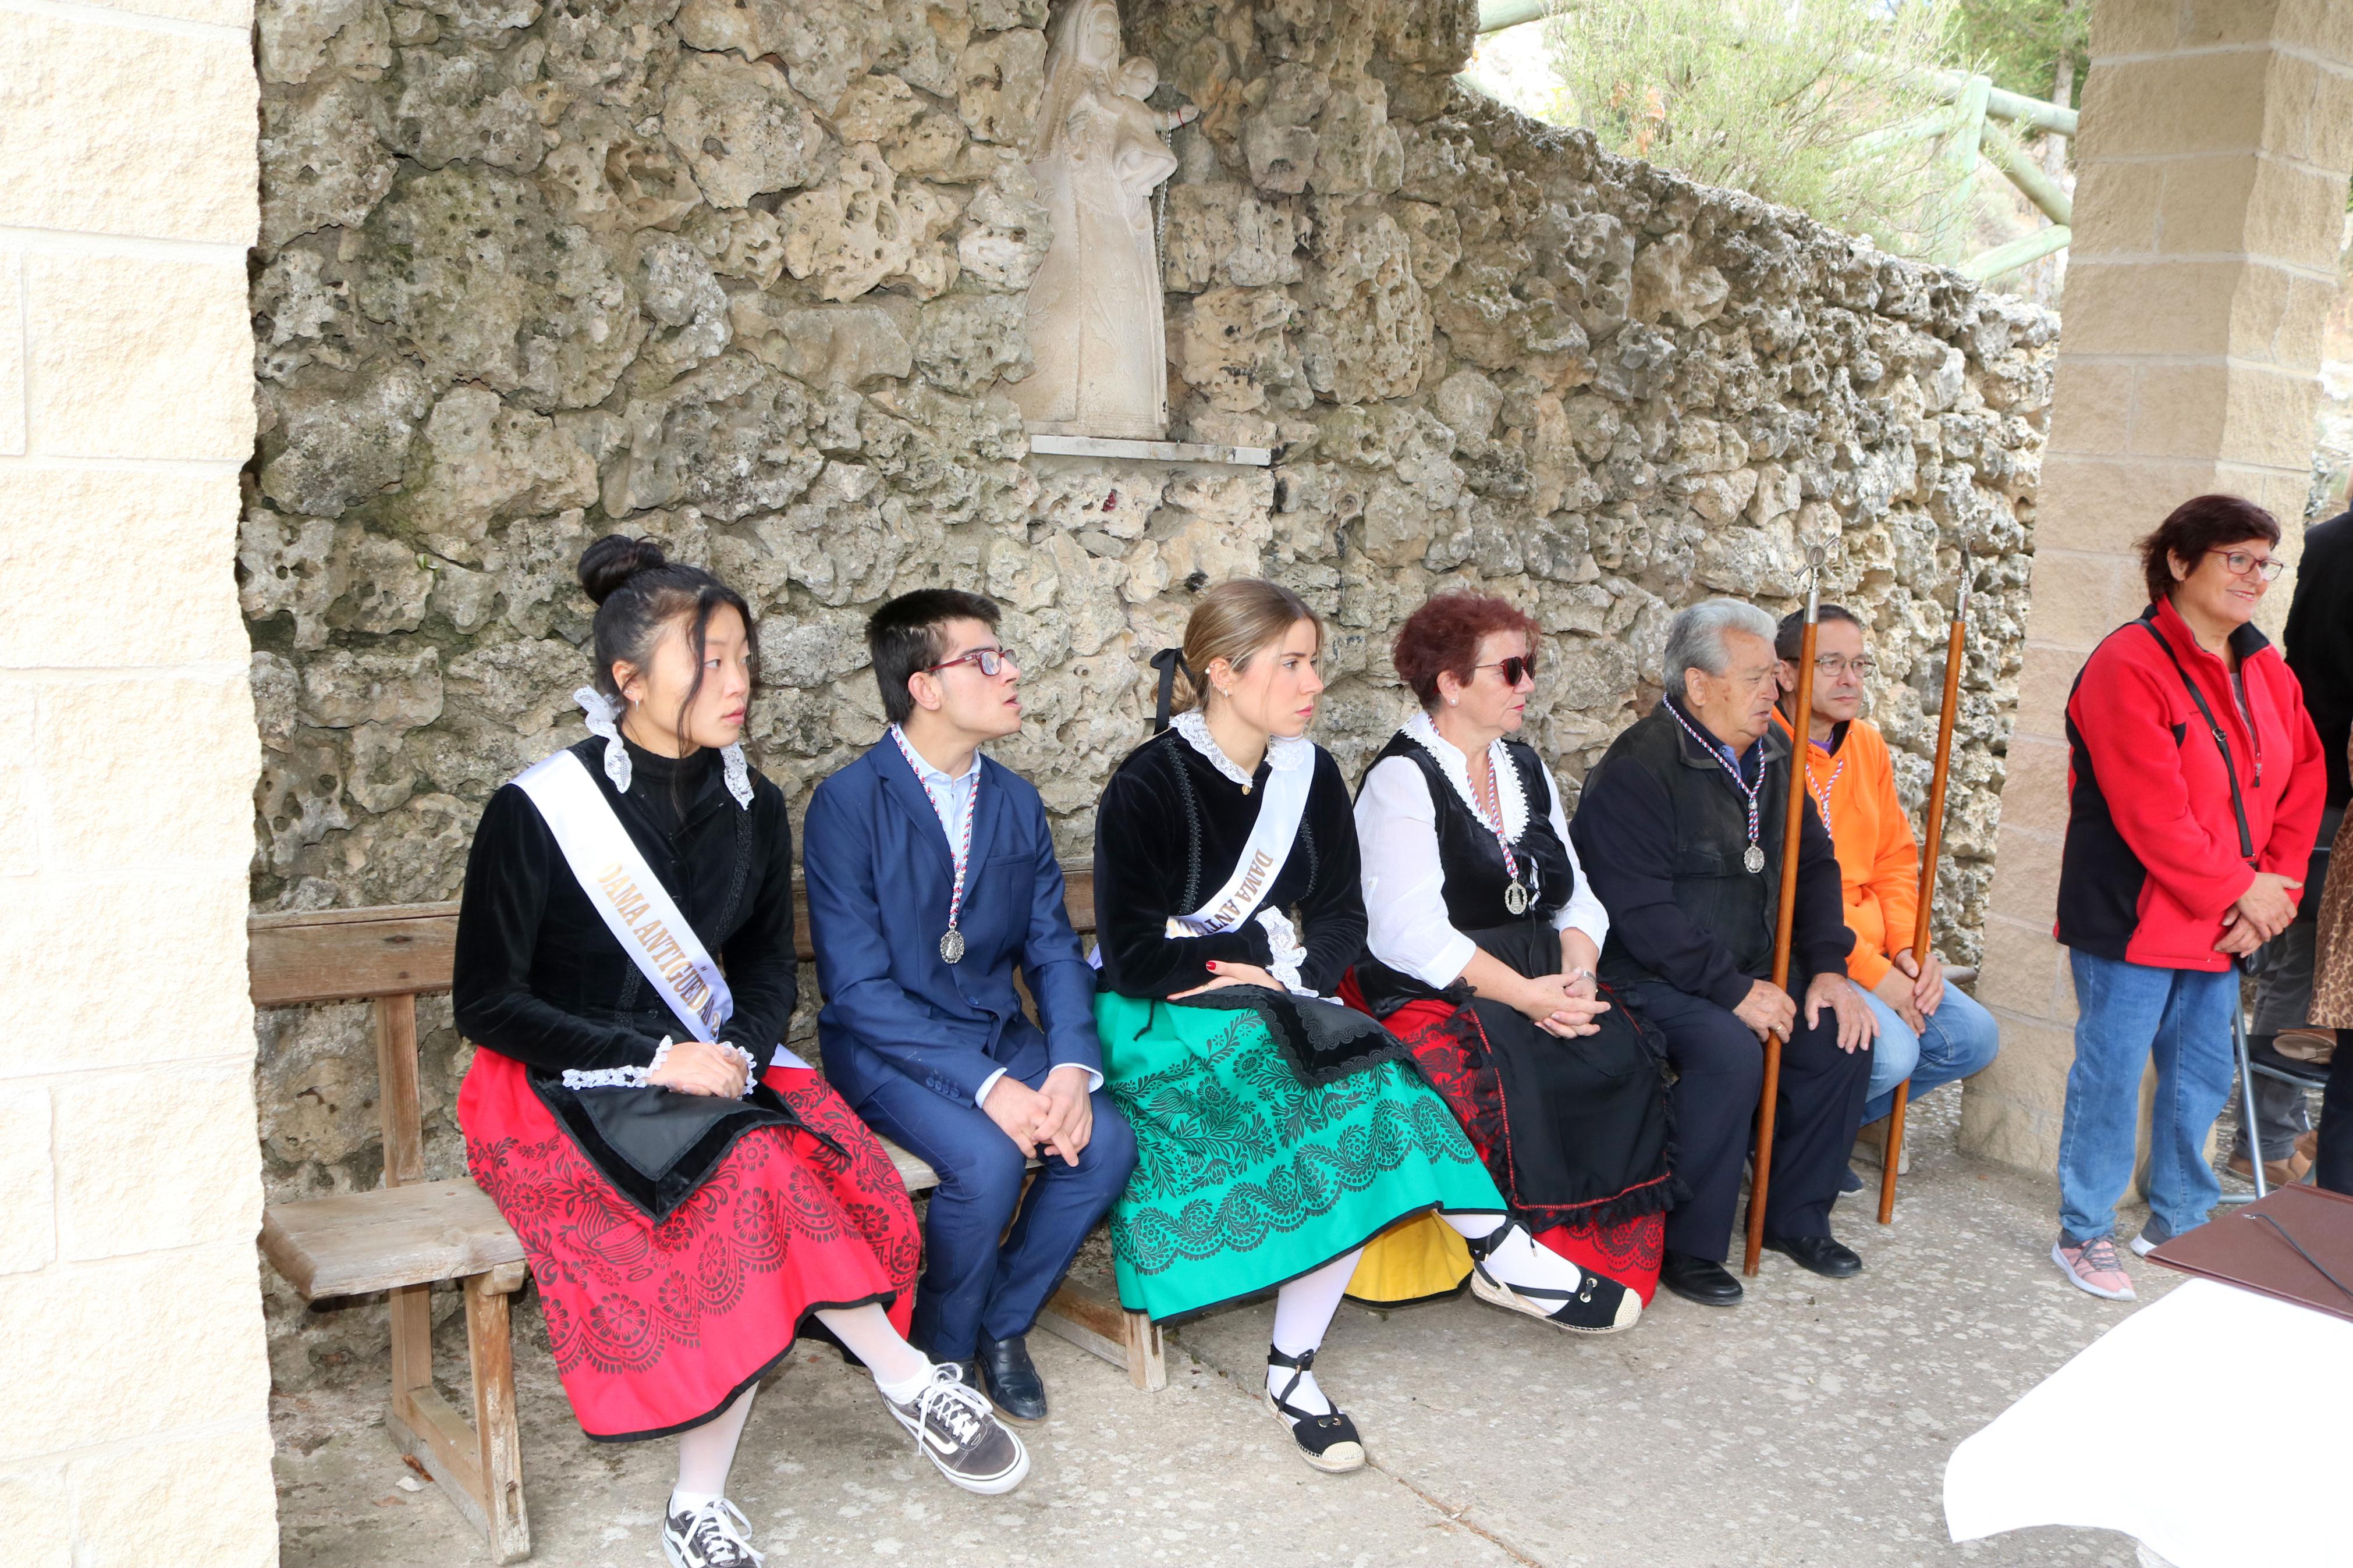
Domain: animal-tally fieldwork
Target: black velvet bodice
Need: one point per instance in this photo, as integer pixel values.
(1169, 832)
(1473, 861)
(539, 978)
(1476, 878)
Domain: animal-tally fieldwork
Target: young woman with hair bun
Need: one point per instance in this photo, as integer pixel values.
(691, 1195)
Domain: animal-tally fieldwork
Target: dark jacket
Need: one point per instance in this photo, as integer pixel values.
(538, 977)
(1661, 830)
(1170, 831)
(2152, 860)
(2319, 641)
(879, 876)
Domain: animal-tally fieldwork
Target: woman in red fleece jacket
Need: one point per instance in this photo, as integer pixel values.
(2194, 783)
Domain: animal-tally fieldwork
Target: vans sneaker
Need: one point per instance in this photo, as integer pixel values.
(952, 1424)
(711, 1536)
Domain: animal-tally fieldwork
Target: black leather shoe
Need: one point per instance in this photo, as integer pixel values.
(1820, 1255)
(1011, 1381)
(967, 1373)
(1700, 1279)
(1852, 1182)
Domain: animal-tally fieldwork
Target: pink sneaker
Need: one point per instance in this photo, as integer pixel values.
(2093, 1267)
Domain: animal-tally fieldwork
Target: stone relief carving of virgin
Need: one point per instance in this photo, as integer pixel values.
(1095, 318)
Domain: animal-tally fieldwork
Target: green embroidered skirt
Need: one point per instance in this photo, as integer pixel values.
(1246, 1176)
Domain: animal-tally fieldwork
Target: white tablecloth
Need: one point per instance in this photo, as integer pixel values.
(2210, 1424)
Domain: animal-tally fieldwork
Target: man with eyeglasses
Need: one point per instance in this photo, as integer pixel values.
(931, 881)
(1928, 1034)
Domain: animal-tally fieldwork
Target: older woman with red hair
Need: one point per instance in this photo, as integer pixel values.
(1481, 947)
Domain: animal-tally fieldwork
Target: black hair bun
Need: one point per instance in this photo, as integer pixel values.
(613, 560)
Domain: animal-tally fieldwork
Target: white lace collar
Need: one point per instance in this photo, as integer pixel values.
(1457, 769)
(1283, 752)
(604, 718)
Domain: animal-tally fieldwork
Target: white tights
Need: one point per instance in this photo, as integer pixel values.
(1517, 1259)
(1302, 1311)
(1303, 1308)
(705, 1454)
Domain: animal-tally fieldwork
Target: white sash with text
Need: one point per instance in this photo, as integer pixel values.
(1282, 804)
(631, 900)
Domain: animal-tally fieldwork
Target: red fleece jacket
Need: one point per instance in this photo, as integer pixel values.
(2152, 862)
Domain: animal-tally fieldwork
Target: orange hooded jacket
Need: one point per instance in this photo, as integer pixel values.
(1879, 860)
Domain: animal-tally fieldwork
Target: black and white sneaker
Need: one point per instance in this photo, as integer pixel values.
(952, 1424)
(711, 1536)
(1598, 1306)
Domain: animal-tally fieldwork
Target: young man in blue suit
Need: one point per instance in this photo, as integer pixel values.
(932, 880)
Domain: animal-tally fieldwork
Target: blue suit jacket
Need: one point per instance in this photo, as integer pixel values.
(880, 874)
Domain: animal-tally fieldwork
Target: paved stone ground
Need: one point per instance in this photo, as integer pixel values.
(1808, 1426)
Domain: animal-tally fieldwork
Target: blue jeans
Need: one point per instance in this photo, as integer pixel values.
(2125, 1014)
(1960, 1039)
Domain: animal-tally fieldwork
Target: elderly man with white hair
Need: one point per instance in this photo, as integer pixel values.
(1680, 831)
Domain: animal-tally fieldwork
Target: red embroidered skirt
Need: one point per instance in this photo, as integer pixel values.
(1627, 1250)
(656, 1328)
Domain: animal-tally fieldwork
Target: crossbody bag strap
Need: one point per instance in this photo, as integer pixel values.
(2222, 742)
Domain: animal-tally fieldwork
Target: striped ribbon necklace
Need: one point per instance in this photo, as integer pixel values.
(1752, 862)
(1823, 795)
(1490, 813)
(959, 844)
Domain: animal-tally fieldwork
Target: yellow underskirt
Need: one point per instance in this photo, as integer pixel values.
(1412, 1260)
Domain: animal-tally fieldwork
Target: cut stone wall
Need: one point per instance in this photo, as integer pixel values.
(2210, 212)
(134, 1410)
(749, 278)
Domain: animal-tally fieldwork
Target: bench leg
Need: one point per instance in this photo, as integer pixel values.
(478, 1464)
(1097, 1323)
(1147, 1358)
(490, 1346)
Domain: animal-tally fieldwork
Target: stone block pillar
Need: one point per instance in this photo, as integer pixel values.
(2210, 203)
(134, 1415)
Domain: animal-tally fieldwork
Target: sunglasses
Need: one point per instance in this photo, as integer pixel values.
(1516, 668)
(990, 659)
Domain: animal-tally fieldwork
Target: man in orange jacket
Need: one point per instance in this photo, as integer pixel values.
(1928, 1034)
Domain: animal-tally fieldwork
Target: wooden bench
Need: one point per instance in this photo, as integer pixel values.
(411, 1234)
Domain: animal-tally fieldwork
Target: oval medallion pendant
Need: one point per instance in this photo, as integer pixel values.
(1515, 897)
(952, 946)
(1754, 861)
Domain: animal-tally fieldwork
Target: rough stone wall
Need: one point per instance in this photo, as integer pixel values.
(748, 278)
(135, 1409)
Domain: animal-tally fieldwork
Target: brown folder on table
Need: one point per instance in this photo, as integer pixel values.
(2288, 1245)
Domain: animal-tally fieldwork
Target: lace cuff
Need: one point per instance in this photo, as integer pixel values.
(1288, 953)
(618, 1077)
(751, 1067)
(642, 1078)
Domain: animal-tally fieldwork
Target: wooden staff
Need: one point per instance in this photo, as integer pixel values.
(1891, 1154)
(1790, 824)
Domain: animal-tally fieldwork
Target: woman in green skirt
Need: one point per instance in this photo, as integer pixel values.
(1277, 1131)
